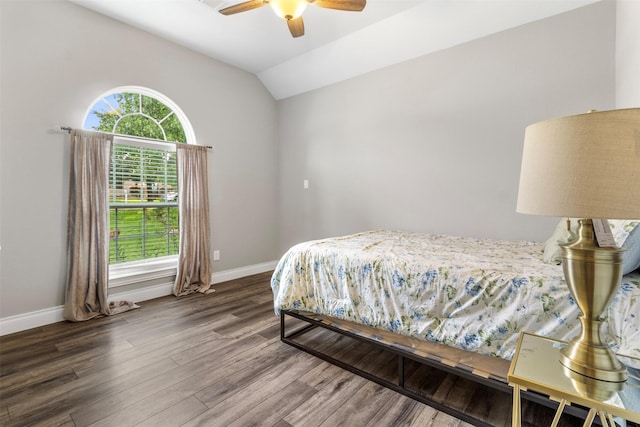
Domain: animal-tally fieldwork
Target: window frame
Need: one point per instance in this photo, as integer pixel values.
(128, 273)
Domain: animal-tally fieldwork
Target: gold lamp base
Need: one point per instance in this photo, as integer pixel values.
(593, 389)
(593, 361)
(593, 275)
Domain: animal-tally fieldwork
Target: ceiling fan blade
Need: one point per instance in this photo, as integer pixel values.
(348, 5)
(243, 7)
(296, 26)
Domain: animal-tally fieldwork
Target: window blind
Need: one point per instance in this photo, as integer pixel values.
(143, 200)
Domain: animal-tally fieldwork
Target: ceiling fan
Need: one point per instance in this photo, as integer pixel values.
(291, 10)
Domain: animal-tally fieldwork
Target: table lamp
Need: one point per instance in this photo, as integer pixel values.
(586, 166)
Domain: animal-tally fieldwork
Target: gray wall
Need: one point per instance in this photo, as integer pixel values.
(56, 58)
(434, 144)
(627, 54)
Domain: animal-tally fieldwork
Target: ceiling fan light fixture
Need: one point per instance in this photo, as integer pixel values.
(288, 9)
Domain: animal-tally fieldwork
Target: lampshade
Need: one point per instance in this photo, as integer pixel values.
(288, 9)
(583, 166)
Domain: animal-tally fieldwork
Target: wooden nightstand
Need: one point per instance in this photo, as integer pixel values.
(536, 366)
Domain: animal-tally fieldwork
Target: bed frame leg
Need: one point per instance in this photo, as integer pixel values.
(401, 371)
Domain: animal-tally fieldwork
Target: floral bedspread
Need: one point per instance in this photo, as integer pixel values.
(468, 293)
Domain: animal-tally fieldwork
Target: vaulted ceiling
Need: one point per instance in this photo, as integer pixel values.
(337, 45)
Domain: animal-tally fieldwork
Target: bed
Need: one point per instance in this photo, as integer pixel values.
(471, 295)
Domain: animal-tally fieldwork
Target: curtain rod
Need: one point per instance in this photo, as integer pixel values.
(69, 129)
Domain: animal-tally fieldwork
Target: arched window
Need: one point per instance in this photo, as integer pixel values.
(138, 111)
(143, 193)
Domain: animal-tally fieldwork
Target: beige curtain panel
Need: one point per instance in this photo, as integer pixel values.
(88, 229)
(194, 265)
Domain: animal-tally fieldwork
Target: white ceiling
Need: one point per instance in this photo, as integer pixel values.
(337, 45)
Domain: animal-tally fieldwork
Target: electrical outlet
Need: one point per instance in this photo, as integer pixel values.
(216, 255)
(305, 183)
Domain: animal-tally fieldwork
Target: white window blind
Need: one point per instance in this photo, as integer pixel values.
(143, 201)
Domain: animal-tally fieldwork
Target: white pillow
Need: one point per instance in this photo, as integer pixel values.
(551, 252)
(621, 228)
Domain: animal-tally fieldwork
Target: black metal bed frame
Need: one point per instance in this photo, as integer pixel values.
(493, 382)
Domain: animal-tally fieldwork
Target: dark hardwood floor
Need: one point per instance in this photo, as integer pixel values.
(211, 360)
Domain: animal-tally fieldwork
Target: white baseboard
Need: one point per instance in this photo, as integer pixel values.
(237, 273)
(34, 319)
(143, 294)
(21, 322)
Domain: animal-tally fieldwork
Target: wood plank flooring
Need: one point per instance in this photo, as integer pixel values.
(208, 360)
